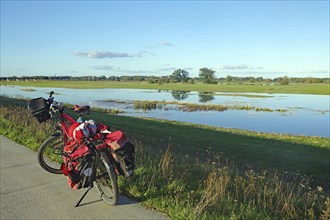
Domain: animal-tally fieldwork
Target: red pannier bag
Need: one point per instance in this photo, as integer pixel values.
(116, 140)
(122, 151)
(78, 167)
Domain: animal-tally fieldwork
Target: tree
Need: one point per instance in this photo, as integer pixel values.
(207, 76)
(229, 78)
(180, 75)
(284, 80)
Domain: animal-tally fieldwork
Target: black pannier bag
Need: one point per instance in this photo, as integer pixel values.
(39, 109)
(83, 174)
(79, 167)
(125, 157)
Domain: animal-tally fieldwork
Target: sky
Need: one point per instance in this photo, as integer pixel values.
(239, 38)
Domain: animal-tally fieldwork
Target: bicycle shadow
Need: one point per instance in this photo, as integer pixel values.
(123, 200)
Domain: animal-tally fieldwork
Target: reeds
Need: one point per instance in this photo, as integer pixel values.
(146, 105)
(191, 107)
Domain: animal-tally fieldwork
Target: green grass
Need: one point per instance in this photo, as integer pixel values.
(299, 88)
(260, 150)
(202, 172)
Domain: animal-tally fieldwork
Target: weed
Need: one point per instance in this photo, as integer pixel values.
(166, 162)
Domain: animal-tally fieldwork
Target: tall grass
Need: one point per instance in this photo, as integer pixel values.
(196, 185)
(17, 124)
(192, 188)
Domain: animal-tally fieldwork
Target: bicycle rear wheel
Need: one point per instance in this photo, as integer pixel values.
(50, 154)
(106, 181)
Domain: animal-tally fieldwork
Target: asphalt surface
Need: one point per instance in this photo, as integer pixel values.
(29, 192)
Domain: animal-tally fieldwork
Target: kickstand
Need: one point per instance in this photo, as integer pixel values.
(83, 196)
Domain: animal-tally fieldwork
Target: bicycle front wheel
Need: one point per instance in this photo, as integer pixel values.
(50, 154)
(106, 181)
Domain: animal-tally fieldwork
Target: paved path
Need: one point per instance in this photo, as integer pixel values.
(29, 192)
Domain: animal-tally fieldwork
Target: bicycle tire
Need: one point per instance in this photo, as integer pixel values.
(106, 182)
(50, 154)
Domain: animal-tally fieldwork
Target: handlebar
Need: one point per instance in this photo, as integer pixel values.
(55, 106)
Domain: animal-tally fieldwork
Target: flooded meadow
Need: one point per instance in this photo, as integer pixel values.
(297, 114)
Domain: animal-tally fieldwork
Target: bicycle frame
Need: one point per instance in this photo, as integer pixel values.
(66, 122)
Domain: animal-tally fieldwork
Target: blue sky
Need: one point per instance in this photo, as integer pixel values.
(238, 38)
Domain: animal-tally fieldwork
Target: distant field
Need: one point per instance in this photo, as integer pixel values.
(299, 88)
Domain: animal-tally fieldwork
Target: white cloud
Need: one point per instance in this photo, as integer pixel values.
(238, 67)
(167, 69)
(103, 54)
(143, 72)
(315, 72)
(248, 73)
(188, 68)
(105, 67)
(256, 68)
(145, 53)
(165, 43)
(235, 67)
(73, 71)
(172, 68)
(160, 44)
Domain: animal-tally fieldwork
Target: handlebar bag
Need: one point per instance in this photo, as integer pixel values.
(39, 109)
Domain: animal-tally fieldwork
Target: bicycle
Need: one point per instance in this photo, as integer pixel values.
(105, 166)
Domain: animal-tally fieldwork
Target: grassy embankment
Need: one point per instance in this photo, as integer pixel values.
(298, 88)
(201, 172)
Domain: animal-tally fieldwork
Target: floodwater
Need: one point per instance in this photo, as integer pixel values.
(304, 114)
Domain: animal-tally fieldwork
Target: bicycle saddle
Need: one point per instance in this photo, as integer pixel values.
(81, 109)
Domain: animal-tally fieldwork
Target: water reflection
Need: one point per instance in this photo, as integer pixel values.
(205, 96)
(179, 95)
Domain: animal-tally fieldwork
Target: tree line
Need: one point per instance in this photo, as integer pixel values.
(206, 75)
